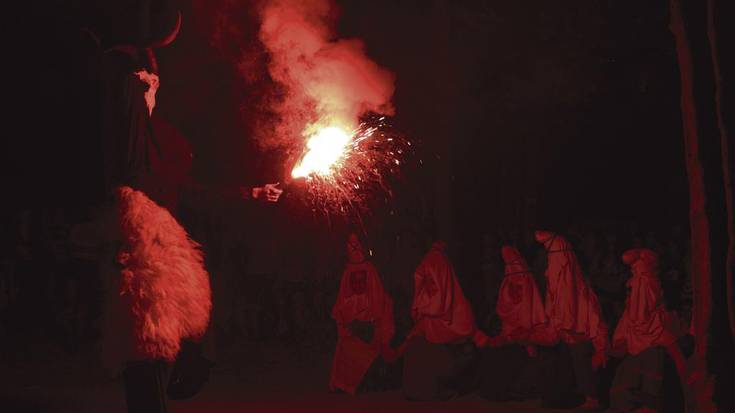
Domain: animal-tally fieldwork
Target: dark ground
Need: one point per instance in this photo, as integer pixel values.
(261, 384)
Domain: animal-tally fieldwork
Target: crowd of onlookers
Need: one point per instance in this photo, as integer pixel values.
(51, 295)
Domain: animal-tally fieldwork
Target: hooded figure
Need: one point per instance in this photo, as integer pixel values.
(364, 316)
(574, 313)
(521, 312)
(642, 335)
(519, 303)
(643, 324)
(438, 354)
(440, 310)
(571, 305)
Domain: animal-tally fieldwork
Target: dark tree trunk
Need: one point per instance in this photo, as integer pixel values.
(444, 190)
(709, 167)
(717, 14)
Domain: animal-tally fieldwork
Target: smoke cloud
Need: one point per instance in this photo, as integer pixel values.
(321, 80)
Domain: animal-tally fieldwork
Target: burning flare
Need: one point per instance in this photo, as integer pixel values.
(327, 148)
(343, 170)
(331, 101)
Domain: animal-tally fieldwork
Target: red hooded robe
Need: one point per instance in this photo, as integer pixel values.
(519, 303)
(571, 305)
(643, 324)
(440, 310)
(361, 297)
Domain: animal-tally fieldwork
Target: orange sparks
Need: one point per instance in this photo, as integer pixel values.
(345, 168)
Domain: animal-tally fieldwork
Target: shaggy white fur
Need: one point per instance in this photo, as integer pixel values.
(163, 277)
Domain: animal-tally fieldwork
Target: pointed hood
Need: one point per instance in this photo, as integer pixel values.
(439, 306)
(571, 305)
(519, 302)
(355, 250)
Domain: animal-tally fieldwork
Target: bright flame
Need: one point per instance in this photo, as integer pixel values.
(344, 169)
(325, 149)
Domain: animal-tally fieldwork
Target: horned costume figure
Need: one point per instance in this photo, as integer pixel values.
(364, 316)
(157, 289)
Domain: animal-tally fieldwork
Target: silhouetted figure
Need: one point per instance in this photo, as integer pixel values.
(156, 287)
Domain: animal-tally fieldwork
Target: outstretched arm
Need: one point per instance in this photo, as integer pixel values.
(268, 192)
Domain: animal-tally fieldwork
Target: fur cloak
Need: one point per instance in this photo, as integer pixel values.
(163, 280)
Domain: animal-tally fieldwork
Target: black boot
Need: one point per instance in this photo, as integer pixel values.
(144, 389)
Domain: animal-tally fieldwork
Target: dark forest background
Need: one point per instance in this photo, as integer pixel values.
(524, 115)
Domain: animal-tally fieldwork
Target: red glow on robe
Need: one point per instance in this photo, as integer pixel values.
(440, 310)
(519, 302)
(571, 305)
(164, 283)
(643, 324)
(361, 297)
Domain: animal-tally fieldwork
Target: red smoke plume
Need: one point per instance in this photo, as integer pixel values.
(325, 81)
